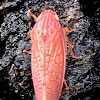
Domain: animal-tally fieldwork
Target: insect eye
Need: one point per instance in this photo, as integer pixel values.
(56, 17)
(39, 17)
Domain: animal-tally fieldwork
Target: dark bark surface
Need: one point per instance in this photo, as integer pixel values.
(82, 76)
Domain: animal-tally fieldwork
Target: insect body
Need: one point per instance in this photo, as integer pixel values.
(48, 55)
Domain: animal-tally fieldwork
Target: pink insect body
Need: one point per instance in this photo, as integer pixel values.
(48, 56)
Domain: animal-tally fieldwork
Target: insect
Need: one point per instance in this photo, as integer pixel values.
(48, 55)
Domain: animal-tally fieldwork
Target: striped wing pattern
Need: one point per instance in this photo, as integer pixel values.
(48, 67)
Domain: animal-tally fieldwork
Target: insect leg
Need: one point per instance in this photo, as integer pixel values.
(65, 29)
(29, 52)
(34, 16)
(70, 48)
(67, 88)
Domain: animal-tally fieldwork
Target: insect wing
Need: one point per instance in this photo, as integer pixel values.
(48, 66)
(55, 64)
(37, 63)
